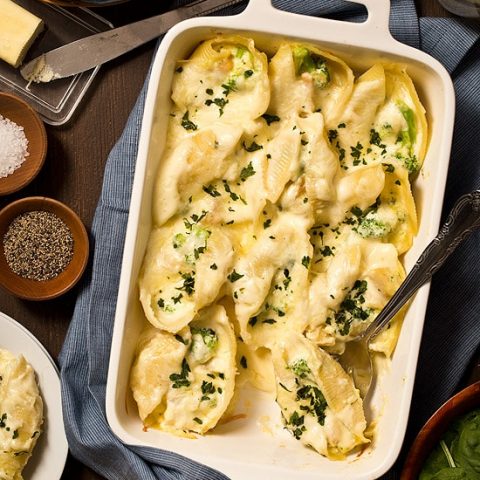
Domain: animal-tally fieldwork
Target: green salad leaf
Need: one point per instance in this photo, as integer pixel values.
(462, 443)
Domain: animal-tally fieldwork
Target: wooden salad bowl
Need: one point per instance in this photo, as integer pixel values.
(430, 435)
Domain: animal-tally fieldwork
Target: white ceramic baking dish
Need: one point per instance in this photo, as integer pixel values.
(257, 447)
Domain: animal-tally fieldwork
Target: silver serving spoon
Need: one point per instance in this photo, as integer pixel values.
(461, 222)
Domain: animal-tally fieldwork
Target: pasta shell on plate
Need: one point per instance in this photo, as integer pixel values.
(184, 268)
(319, 403)
(183, 383)
(225, 78)
(21, 414)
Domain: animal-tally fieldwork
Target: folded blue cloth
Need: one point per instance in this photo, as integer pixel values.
(452, 329)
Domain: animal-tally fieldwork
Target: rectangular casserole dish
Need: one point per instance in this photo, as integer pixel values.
(258, 447)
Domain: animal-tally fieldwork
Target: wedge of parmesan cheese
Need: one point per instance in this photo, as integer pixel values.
(18, 30)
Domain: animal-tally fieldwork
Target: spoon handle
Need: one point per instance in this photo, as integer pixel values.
(463, 219)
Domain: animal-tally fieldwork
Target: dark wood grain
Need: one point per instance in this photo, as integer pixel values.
(74, 167)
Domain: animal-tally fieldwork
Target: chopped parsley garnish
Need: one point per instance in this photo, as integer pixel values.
(234, 276)
(196, 419)
(246, 172)
(187, 124)
(375, 139)
(177, 298)
(213, 266)
(306, 261)
(219, 102)
(297, 421)
(232, 194)
(269, 321)
(243, 362)
(253, 147)
(356, 152)
(327, 251)
(389, 168)
(357, 211)
(211, 190)
(341, 125)
(332, 134)
(351, 308)
(188, 283)
(316, 402)
(253, 321)
(3, 419)
(248, 73)
(228, 87)
(15, 434)
(209, 91)
(195, 219)
(181, 379)
(267, 223)
(270, 118)
(207, 389)
(179, 70)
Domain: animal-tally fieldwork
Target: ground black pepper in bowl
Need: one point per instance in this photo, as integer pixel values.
(38, 245)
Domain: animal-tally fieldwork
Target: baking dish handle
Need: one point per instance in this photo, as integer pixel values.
(377, 23)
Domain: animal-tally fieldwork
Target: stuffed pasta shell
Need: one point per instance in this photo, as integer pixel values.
(184, 268)
(319, 403)
(183, 383)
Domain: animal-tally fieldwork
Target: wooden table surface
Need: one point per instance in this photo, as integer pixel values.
(73, 170)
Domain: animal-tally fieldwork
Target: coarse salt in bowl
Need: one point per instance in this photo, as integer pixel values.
(23, 143)
(13, 146)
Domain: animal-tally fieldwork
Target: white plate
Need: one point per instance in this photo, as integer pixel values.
(50, 454)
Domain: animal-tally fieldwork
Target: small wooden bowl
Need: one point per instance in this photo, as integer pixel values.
(20, 112)
(430, 435)
(47, 289)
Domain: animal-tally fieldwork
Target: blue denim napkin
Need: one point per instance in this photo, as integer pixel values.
(452, 329)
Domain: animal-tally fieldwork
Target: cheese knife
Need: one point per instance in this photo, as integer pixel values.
(89, 52)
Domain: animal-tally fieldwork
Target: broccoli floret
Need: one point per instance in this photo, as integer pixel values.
(316, 66)
(372, 227)
(204, 343)
(300, 368)
(411, 164)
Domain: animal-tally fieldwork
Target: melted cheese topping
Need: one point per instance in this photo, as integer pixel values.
(283, 196)
(21, 414)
